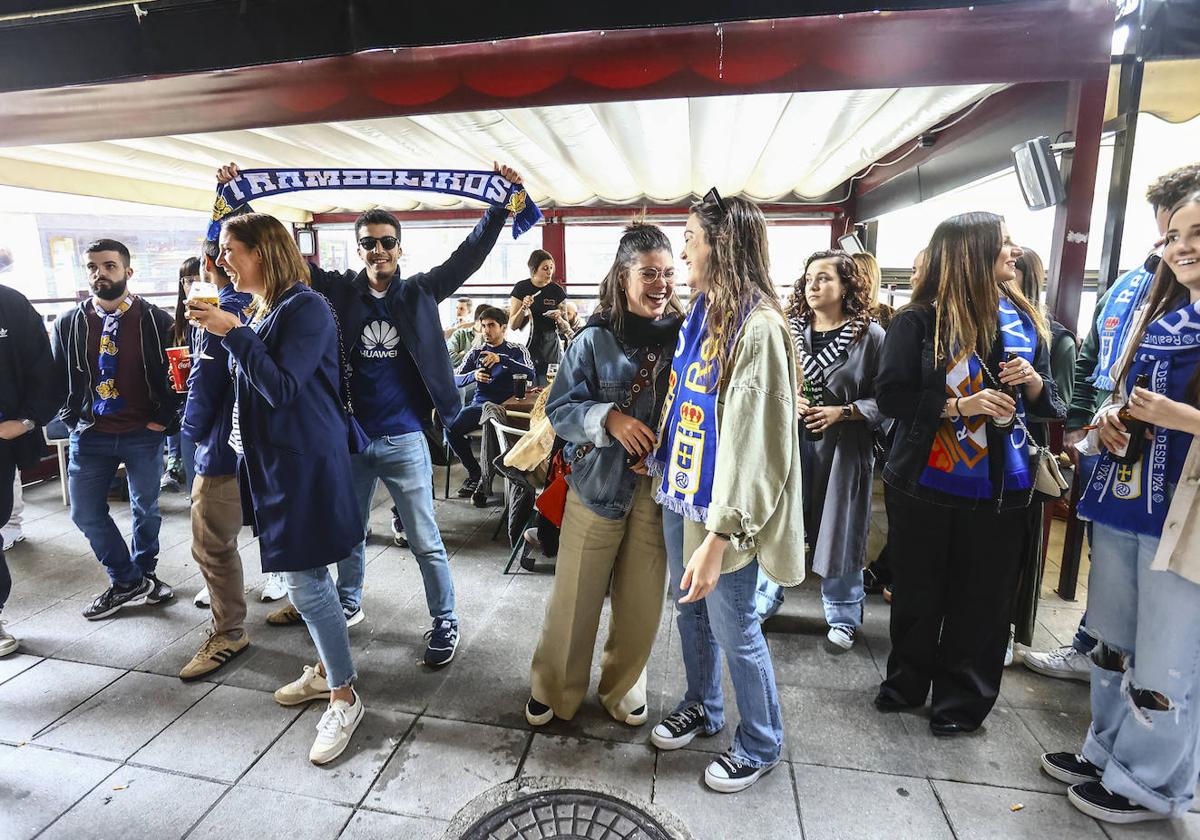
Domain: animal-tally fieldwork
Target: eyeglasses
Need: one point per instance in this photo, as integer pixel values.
(715, 197)
(651, 275)
(367, 243)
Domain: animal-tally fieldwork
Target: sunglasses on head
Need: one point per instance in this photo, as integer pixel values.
(715, 197)
(367, 243)
(1152, 261)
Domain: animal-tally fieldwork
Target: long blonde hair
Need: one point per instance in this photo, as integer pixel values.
(959, 277)
(737, 274)
(282, 265)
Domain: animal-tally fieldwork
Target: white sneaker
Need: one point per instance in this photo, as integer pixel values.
(202, 600)
(1064, 663)
(1008, 653)
(274, 588)
(11, 538)
(7, 643)
(354, 618)
(311, 685)
(335, 728)
(841, 636)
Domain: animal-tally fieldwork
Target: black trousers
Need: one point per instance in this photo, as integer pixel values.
(8, 468)
(955, 574)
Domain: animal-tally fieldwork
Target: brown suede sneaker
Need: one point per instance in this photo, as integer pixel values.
(284, 616)
(217, 650)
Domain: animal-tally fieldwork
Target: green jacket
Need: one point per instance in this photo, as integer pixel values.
(756, 494)
(459, 344)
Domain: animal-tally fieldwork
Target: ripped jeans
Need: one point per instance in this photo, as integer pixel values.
(1145, 729)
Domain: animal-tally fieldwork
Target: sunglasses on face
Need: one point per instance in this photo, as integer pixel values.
(367, 243)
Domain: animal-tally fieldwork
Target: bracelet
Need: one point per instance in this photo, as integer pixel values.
(957, 410)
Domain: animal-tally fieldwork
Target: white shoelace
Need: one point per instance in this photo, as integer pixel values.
(333, 721)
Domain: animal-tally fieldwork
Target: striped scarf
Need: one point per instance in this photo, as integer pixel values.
(815, 366)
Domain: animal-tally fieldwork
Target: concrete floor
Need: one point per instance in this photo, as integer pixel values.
(98, 738)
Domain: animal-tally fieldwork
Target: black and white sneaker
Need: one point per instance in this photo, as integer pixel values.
(679, 728)
(443, 642)
(538, 714)
(159, 591)
(728, 775)
(469, 487)
(1099, 803)
(1071, 768)
(116, 597)
(398, 530)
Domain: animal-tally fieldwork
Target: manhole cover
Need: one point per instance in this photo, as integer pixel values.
(566, 815)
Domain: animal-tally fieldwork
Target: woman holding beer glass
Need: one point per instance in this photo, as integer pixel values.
(289, 426)
(729, 457)
(965, 368)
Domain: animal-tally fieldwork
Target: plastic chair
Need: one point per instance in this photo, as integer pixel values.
(506, 436)
(61, 445)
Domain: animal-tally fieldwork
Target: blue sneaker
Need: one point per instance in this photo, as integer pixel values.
(443, 641)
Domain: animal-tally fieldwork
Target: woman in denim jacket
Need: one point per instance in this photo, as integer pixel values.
(612, 529)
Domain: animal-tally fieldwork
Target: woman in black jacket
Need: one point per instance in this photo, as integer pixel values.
(964, 366)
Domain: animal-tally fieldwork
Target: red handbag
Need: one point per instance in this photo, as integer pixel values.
(553, 500)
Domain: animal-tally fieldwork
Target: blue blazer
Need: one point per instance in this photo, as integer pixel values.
(413, 304)
(297, 491)
(207, 413)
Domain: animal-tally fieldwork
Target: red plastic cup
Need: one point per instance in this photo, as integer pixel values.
(180, 359)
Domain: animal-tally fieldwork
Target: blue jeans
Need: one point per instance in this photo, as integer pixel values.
(726, 619)
(842, 598)
(185, 450)
(1152, 620)
(312, 593)
(95, 457)
(402, 463)
(469, 419)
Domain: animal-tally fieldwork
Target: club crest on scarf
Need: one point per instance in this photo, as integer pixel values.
(488, 187)
(687, 451)
(1134, 497)
(108, 398)
(959, 458)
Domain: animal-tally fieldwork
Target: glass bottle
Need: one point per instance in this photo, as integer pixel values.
(1132, 453)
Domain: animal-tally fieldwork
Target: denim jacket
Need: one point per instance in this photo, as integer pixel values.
(595, 375)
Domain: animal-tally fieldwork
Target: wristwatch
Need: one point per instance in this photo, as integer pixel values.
(28, 424)
(847, 412)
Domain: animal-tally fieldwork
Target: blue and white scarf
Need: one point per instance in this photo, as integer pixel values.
(686, 457)
(108, 398)
(1133, 497)
(489, 187)
(1114, 322)
(958, 461)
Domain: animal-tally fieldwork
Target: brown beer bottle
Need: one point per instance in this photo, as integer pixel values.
(1005, 424)
(814, 400)
(1136, 428)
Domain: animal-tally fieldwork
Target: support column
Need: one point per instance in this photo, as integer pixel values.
(554, 241)
(1129, 97)
(1072, 218)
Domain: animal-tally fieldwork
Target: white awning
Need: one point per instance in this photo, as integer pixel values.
(768, 147)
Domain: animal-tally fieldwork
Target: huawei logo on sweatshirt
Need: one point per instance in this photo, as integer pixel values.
(379, 340)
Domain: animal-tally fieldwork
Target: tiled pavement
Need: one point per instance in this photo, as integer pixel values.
(98, 738)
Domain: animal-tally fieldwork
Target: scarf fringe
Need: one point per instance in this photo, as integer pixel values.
(687, 510)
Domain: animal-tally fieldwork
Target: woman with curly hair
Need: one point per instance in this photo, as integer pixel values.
(838, 347)
(729, 456)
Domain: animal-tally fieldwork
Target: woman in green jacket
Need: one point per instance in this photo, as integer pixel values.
(729, 456)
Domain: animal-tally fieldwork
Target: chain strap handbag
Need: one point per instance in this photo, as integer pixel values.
(356, 438)
(553, 499)
(1048, 477)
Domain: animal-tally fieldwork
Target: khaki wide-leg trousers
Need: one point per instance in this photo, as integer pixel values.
(216, 523)
(594, 552)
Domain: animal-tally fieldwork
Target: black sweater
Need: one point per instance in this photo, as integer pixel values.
(28, 388)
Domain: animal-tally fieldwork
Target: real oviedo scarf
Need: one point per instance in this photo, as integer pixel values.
(108, 398)
(959, 459)
(488, 187)
(1115, 321)
(1133, 497)
(687, 453)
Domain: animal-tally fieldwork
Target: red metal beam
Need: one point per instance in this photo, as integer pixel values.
(1073, 218)
(1022, 41)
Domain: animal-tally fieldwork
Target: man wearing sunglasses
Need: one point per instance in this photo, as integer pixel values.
(392, 336)
(1098, 360)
